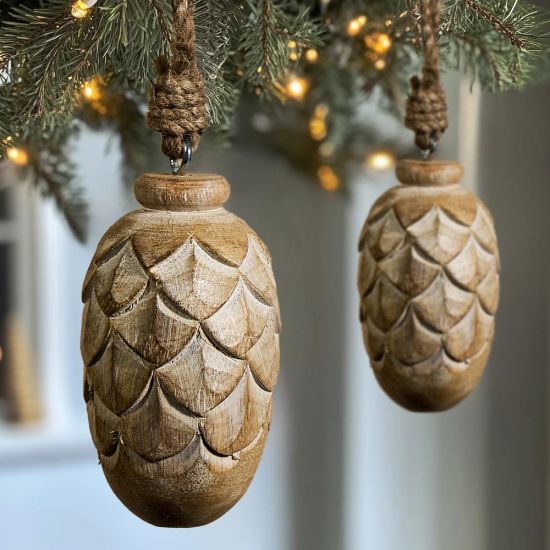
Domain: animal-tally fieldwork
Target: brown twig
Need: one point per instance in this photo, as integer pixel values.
(266, 26)
(496, 22)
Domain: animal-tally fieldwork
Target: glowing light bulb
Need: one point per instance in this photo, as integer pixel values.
(318, 123)
(326, 149)
(81, 8)
(379, 42)
(356, 25)
(321, 111)
(293, 54)
(380, 161)
(328, 178)
(296, 87)
(312, 55)
(17, 156)
(379, 64)
(91, 90)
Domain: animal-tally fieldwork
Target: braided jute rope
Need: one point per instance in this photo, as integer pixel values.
(177, 102)
(426, 106)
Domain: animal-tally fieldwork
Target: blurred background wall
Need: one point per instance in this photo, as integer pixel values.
(345, 468)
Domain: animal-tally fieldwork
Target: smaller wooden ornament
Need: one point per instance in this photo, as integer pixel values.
(180, 341)
(429, 287)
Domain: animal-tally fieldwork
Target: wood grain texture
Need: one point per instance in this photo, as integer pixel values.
(429, 287)
(180, 341)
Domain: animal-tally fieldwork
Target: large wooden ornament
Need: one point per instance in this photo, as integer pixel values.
(429, 285)
(180, 342)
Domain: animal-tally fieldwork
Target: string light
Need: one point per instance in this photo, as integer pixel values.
(380, 161)
(81, 8)
(318, 123)
(326, 149)
(17, 156)
(379, 42)
(91, 90)
(328, 178)
(356, 25)
(379, 64)
(293, 50)
(312, 55)
(296, 87)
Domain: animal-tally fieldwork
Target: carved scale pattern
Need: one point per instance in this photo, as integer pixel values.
(429, 286)
(180, 343)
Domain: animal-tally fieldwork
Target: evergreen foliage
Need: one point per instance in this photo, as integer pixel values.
(46, 55)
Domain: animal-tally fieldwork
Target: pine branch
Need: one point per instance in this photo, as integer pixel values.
(498, 23)
(472, 47)
(264, 43)
(499, 44)
(215, 46)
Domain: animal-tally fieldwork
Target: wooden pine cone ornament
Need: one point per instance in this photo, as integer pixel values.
(180, 342)
(429, 286)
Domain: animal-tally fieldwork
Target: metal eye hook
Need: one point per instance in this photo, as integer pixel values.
(186, 157)
(427, 153)
(187, 150)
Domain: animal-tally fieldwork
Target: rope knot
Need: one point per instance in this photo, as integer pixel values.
(177, 101)
(426, 105)
(426, 113)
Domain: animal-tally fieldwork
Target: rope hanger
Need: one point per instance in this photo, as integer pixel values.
(177, 101)
(426, 105)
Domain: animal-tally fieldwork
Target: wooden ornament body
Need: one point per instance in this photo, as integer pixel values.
(429, 287)
(180, 341)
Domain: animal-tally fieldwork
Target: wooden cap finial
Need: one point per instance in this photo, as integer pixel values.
(429, 173)
(180, 193)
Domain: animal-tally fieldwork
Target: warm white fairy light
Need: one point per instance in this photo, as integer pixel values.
(328, 179)
(312, 55)
(81, 8)
(296, 87)
(91, 90)
(356, 25)
(293, 54)
(380, 161)
(327, 149)
(379, 42)
(318, 123)
(17, 156)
